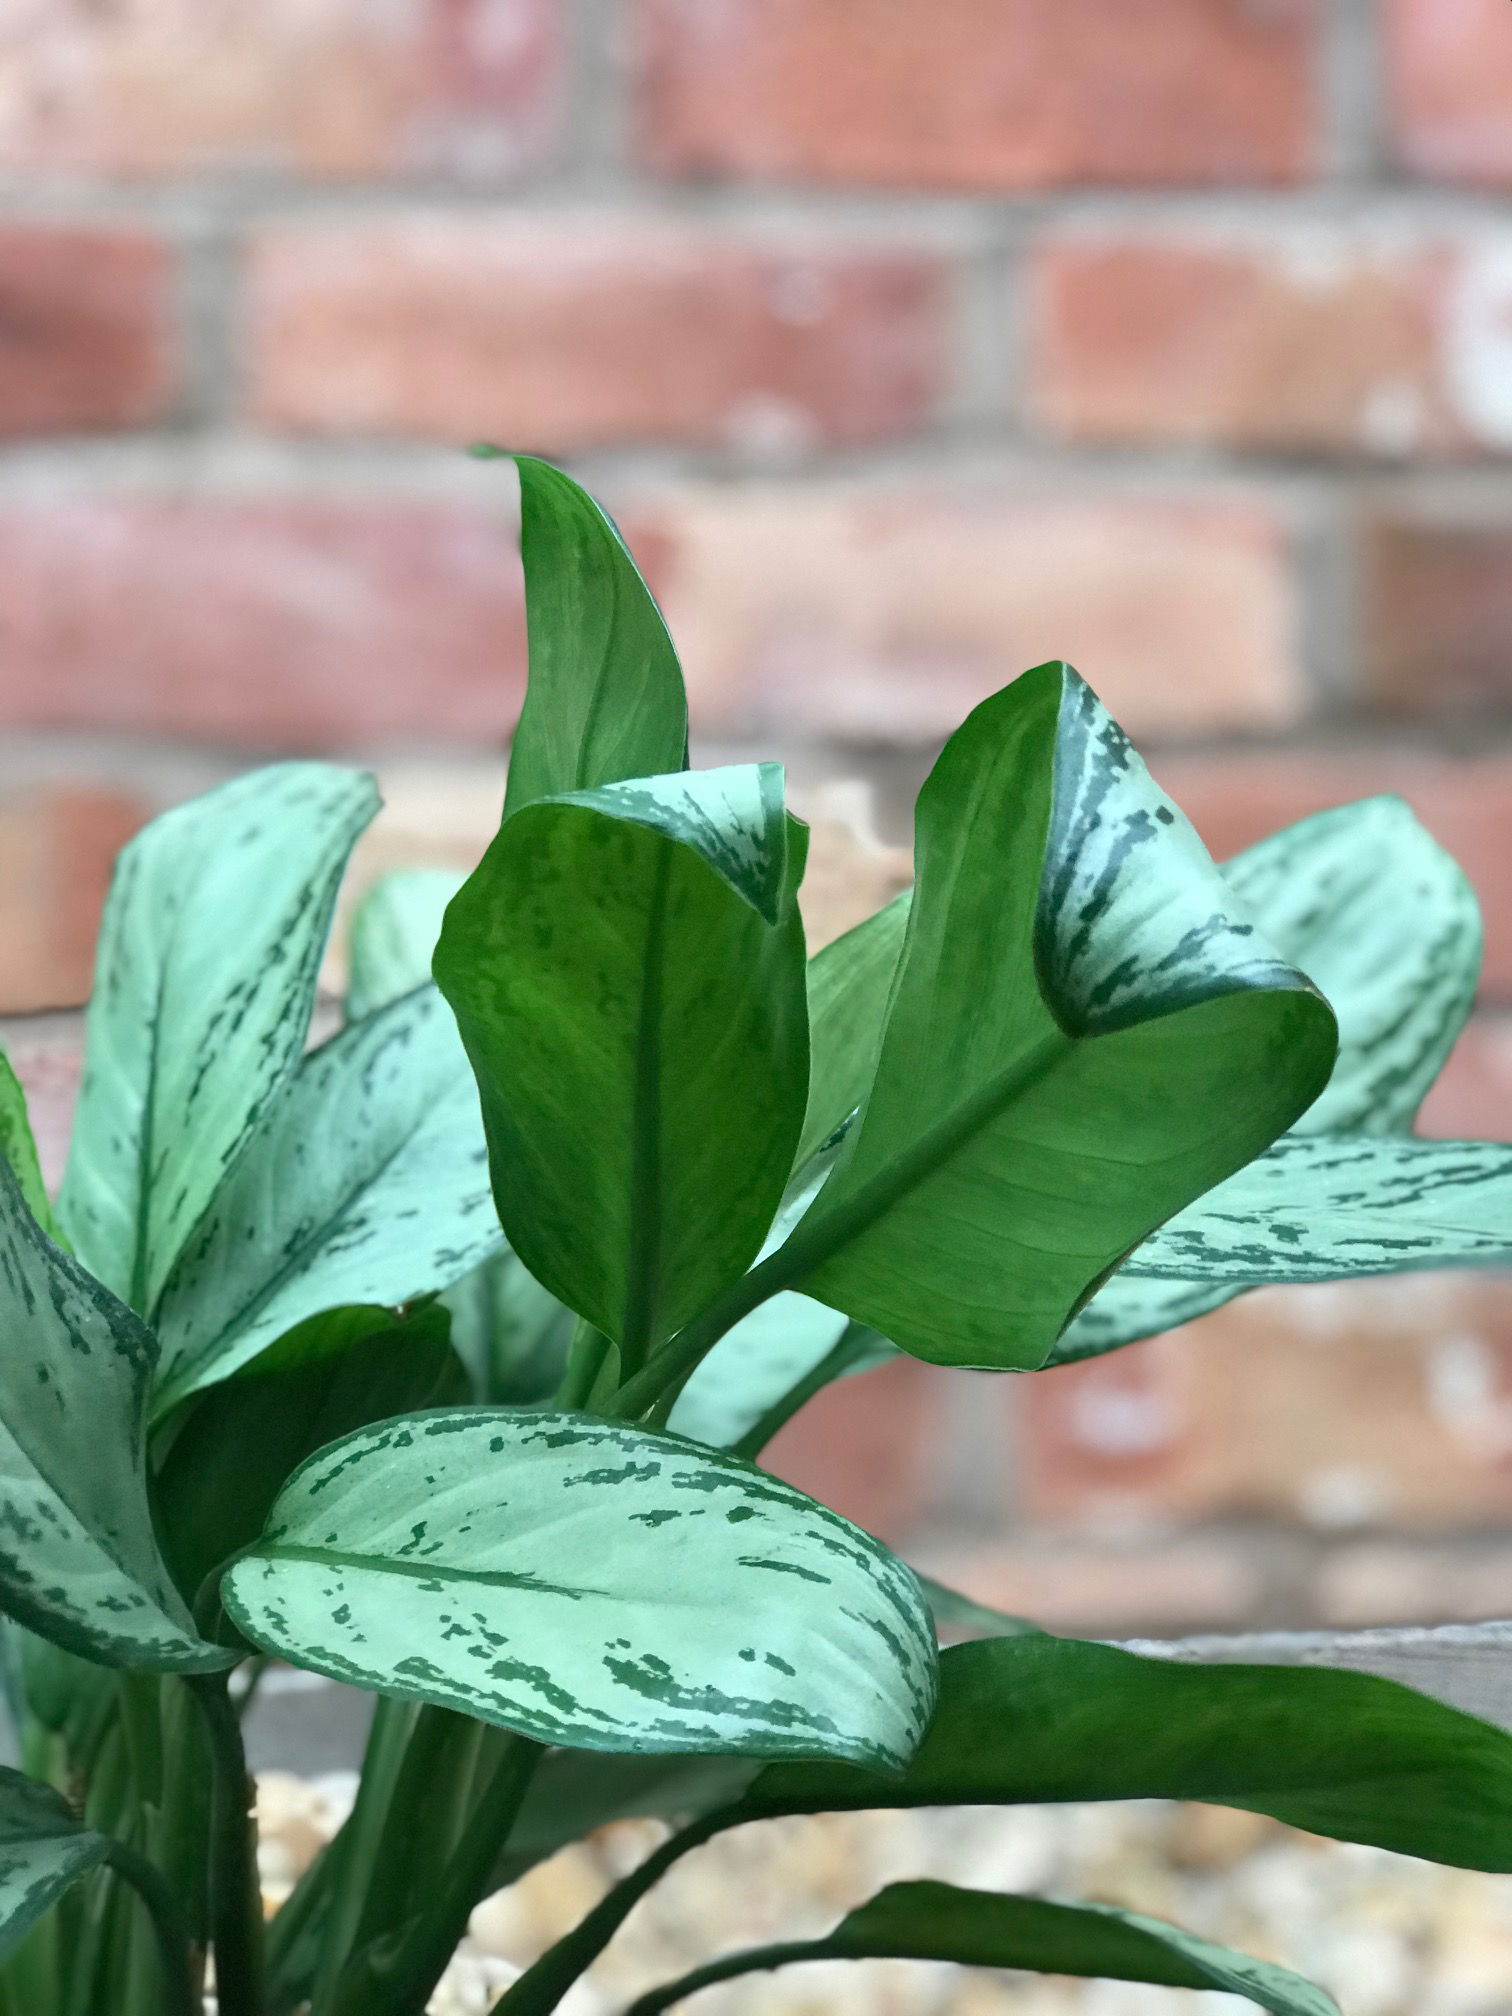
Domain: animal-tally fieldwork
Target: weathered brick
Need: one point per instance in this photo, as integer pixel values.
(268, 623)
(1384, 1402)
(86, 328)
(319, 87)
(1449, 72)
(979, 94)
(58, 843)
(882, 615)
(1237, 798)
(455, 326)
(1438, 612)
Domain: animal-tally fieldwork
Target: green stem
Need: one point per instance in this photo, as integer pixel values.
(587, 1355)
(758, 1960)
(181, 1989)
(236, 1921)
(399, 1981)
(360, 1843)
(541, 1987)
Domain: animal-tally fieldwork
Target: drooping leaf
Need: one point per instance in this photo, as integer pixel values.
(44, 1851)
(204, 982)
(770, 1352)
(510, 1333)
(19, 1148)
(627, 971)
(1335, 1206)
(605, 699)
(1084, 1035)
(1035, 1719)
(78, 1559)
(1374, 911)
(977, 1928)
(367, 1184)
(591, 1585)
(849, 985)
(244, 1438)
(393, 935)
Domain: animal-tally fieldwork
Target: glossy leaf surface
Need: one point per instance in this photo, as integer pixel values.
(204, 981)
(593, 1586)
(1035, 1719)
(44, 1850)
(1083, 1036)
(605, 699)
(78, 1559)
(367, 1184)
(627, 971)
(849, 985)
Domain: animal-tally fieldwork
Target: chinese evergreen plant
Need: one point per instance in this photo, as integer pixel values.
(445, 1367)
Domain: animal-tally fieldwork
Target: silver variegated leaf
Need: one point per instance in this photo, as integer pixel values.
(764, 1357)
(368, 1183)
(393, 935)
(591, 1585)
(79, 1562)
(204, 983)
(44, 1851)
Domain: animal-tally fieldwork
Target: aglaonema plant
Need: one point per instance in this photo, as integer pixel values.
(440, 1357)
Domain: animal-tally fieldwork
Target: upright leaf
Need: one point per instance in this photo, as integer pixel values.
(849, 985)
(605, 700)
(594, 1586)
(975, 1928)
(511, 1333)
(1083, 1036)
(627, 970)
(367, 1184)
(78, 1559)
(393, 935)
(1034, 1719)
(19, 1148)
(204, 982)
(44, 1851)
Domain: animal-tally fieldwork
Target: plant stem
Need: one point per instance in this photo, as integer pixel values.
(399, 1981)
(756, 1960)
(236, 1922)
(181, 1988)
(586, 1357)
(541, 1987)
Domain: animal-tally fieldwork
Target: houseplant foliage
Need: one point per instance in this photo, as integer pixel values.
(440, 1356)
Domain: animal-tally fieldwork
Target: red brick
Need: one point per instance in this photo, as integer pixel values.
(86, 328)
(1234, 800)
(340, 88)
(1472, 1099)
(1345, 1405)
(1438, 613)
(882, 615)
(264, 623)
(980, 94)
(1449, 71)
(1303, 341)
(58, 844)
(459, 326)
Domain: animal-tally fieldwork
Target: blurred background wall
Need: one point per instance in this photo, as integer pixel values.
(913, 341)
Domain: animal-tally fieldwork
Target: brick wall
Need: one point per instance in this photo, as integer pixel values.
(912, 344)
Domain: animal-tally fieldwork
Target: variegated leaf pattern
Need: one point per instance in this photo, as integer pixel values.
(78, 1559)
(393, 935)
(368, 1183)
(1381, 918)
(204, 983)
(1085, 1033)
(591, 1585)
(44, 1850)
(1329, 1207)
(19, 1148)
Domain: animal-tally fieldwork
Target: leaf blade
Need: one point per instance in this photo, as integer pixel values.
(44, 1851)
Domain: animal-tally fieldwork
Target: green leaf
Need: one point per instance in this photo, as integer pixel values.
(44, 1850)
(1083, 1037)
(393, 935)
(627, 971)
(591, 1585)
(367, 1183)
(1369, 905)
(204, 983)
(976, 1928)
(1336, 1206)
(510, 1332)
(966, 1617)
(849, 985)
(605, 699)
(575, 1792)
(78, 1560)
(19, 1148)
(1035, 1719)
(765, 1356)
(243, 1439)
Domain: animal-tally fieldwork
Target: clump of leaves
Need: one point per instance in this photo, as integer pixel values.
(445, 1366)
